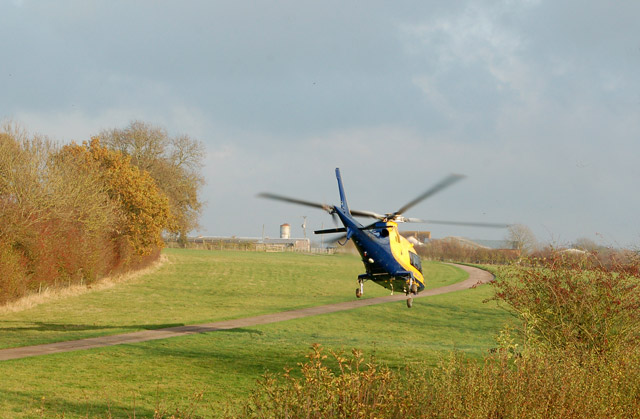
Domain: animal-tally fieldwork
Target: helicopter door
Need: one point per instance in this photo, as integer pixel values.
(415, 261)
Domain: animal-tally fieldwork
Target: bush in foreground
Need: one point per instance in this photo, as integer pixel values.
(580, 358)
(573, 305)
(539, 385)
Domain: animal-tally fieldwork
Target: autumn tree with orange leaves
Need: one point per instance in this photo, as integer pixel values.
(143, 210)
(174, 163)
(73, 214)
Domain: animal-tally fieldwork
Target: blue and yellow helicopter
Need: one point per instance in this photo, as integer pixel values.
(390, 260)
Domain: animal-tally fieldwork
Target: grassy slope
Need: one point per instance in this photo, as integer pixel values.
(225, 365)
(199, 287)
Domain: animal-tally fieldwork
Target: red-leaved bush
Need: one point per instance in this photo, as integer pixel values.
(569, 304)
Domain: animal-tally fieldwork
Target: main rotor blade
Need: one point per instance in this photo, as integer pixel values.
(373, 226)
(334, 217)
(331, 230)
(295, 201)
(325, 207)
(444, 183)
(369, 214)
(457, 223)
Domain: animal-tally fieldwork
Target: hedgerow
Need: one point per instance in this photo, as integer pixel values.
(72, 214)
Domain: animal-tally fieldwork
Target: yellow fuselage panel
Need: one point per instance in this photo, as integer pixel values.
(400, 249)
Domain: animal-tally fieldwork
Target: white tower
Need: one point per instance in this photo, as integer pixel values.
(285, 231)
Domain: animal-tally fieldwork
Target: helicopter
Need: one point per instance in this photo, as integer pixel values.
(390, 260)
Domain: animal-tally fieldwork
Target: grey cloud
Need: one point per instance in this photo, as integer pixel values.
(536, 100)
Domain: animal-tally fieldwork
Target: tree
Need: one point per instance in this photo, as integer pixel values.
(22, 163)
(57, 219)
(173, 162)
(71, 214)
(143, 208)
(522, 238)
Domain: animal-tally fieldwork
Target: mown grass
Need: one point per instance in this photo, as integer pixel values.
(199, 287)
(224, 366)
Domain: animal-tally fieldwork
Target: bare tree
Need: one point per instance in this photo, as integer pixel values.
(522, 238)
(40, 184)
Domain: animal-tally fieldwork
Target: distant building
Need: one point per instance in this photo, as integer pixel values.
(297, 245)
(251, 243)
(496, 244)
(416, 237)
(481, 244)
(464, 242)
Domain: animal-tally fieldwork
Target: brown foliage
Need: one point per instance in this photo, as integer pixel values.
(71, 215)
(568, 303)
(173, 162)
(143, 209)
(540, 385)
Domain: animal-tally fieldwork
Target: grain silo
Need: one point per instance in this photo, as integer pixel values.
(285, 231)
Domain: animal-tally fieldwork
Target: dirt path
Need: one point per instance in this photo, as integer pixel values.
(476, 276)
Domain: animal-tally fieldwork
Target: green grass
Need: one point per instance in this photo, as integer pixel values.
(201, 287)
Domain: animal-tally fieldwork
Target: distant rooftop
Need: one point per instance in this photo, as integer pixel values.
(495, 244)
(481, 243)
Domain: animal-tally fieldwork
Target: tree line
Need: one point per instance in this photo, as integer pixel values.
(73, 213)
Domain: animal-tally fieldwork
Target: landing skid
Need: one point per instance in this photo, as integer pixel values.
(360, 289)
(408, 285)
(410, 291)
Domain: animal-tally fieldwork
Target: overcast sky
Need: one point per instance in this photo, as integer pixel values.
(537, 102)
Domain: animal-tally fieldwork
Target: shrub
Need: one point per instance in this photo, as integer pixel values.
(359, 389)
(540, 385)
(569, 305)
(581, 359)
(12, 273)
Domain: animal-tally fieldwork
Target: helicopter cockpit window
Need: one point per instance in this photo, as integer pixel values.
(415, 261)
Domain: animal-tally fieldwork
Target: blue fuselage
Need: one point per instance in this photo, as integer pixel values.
(381, 255)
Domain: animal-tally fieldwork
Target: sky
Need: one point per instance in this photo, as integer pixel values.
(536, 102)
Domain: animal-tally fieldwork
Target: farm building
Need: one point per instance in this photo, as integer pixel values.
(251, 243)
(416, 237)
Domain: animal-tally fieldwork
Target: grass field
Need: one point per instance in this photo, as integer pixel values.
(200, 286)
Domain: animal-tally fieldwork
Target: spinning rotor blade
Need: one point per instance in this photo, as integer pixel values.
(331, 230)
(456, 223)
(334, 217)
(369, 214)
(444, 183)
(373, 226)
(295, 201)
(336, 239)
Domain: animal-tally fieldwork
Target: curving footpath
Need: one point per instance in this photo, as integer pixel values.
(476, 277)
